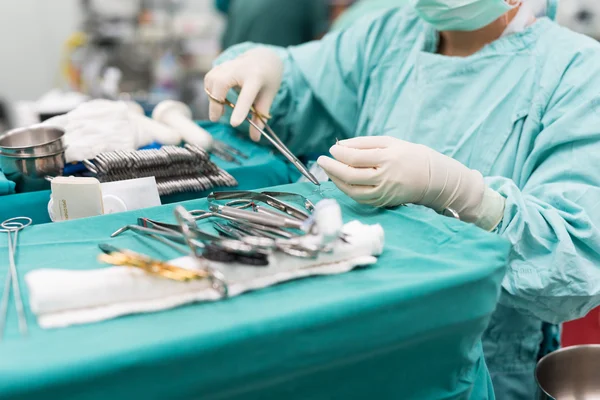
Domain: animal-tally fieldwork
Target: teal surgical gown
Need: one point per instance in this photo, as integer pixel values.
(524, 111)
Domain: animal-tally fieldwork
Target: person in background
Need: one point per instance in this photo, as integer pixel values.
(275, 22)
(363, 9)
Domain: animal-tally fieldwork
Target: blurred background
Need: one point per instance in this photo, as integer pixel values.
(56, 54)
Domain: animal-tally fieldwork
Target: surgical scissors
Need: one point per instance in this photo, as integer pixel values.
(9, 226)
(271, 137)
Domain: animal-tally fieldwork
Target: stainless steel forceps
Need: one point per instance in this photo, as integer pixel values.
(270, 136)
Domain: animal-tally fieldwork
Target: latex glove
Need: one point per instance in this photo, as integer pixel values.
(385, 172)
(258, 73)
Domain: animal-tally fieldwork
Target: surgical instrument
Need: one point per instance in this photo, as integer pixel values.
(261, 230)
(245, 204)
(200, 243)
(264, 219)
(267, 241)
(228, 231)
(223, 154)
(234, 251)
(243, 233)
(247, 199)
(9, 226)
(231, 149)
(227, 153)
(172, 228)
(195, 241)
(308, 205)
(271, 137)
(128, 258)
(176, 169)
(203, 214)
(270, 198)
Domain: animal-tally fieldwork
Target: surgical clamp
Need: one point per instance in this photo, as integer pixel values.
(245, 233)
(271, 199)
(9, 226)
(264, 219)
(271, 137)
(195, 240)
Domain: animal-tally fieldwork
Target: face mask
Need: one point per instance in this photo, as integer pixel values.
(461, 15)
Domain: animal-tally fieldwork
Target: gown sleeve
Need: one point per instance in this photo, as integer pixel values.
(320, 95)
(552, 215)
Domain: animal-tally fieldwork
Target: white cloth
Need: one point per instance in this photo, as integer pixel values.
(99, 126)
(60, 298)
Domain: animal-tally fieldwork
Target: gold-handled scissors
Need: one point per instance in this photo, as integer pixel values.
(153, 267)
(270, 136)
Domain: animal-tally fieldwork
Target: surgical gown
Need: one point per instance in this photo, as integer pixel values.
(524, 111)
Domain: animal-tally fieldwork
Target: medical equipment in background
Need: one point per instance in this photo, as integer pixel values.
(80, 197)
(144, 50)
(271, 137)
(570, 373)
(101, 125)
(10, 227)
(104, 135)
(29, 155)
(582, 16)
(51, 104)
(176, 169)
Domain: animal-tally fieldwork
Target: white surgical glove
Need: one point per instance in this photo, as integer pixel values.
(258, 73)
(384, 172)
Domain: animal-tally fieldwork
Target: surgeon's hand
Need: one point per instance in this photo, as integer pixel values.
(257, 73)
(385, 172)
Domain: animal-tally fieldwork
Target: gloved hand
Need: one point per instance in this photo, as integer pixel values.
(384, 172)
(258, 73)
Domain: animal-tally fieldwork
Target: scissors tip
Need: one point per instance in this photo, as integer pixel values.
(119, 231)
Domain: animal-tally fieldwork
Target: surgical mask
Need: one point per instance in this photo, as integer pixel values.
(461, 15)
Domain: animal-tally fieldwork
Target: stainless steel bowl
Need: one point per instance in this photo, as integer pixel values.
(29, 173)
(571, 373)
(33, 141)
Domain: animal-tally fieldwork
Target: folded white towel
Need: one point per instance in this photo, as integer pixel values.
(61, 298)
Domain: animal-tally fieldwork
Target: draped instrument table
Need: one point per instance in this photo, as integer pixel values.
(407, 328)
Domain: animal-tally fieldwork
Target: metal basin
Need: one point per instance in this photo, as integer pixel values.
(29, 173)
(572, 373)
(33, 141)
